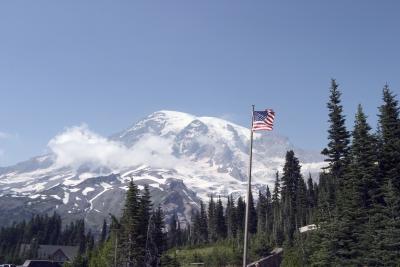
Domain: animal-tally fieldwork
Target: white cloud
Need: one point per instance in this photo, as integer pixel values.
(79, 145)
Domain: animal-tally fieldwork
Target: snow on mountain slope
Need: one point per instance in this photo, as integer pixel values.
(208, 155)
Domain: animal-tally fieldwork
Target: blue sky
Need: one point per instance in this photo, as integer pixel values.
(110, 63)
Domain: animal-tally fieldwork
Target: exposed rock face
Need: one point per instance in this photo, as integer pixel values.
(200, 156)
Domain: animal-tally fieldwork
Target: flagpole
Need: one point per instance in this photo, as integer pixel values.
(248, 194)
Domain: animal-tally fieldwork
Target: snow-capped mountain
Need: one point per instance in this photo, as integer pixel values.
(183, 158)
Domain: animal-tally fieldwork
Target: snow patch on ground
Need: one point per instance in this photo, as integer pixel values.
(56, 197)
(106, 187)
(66, 198)
(74, 190)
(156, 186)
(87, 190)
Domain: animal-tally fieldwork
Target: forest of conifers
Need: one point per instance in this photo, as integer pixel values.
(355, 205)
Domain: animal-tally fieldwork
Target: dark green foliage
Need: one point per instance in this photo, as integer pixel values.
(103, 235)
(252, 215)
(302, 206)
(355, 206)
(168, 261)
(277, 226)
(362, 226)
(290, 192)
(261, 212)
(199, 229)
(156, 242)
(172, 232)
(212, 220)
(292, 258)
(141, 239)
(390, 138)
(231, 220)
(220, 220)
(269, 215)
(311, 200)
(138, 238)
(338, 136)
(260, 246)
(41, 229)
(130, 230)
(79, 261)
(145, 210)
(240, 215)
(176, 236)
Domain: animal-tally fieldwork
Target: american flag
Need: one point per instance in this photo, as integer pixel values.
(263, 120)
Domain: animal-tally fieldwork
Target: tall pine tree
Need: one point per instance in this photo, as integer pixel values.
(290, 183)
(338, 141)
(130, 221)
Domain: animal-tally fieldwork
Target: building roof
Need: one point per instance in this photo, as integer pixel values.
(69, 251)
(48, 250)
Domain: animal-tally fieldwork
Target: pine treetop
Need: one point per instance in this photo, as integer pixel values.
(338, 136)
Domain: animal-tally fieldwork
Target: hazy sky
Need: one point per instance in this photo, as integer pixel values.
(110, 63)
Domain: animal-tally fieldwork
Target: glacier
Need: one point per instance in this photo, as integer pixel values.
(182, 157)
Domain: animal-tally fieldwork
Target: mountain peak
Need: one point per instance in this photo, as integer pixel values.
(171, 114)
(208, 155)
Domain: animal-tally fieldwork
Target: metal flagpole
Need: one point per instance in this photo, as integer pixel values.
(248, 195)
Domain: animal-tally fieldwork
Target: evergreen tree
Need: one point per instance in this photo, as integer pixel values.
(338, 136)
(390, 138)
(252, 215)
(390, 242)
(290, 184)
(261, 212)
(311, 199)
(301, 204)
(89, 242)
(144, 212)
(172, 233)
(386, 234)
(212, 220)
(103, 235)
(220, 220)
(357, 192)
(332, 182)
(129, 244)
(240, 215)
(269, 216)
(203, 227)
(156, 242)
(231, 221)
(277, 189)
(179, 234)
(277, 227)
(195, 235)
(79, 233)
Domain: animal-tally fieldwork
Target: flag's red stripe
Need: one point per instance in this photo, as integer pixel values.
(266, 124)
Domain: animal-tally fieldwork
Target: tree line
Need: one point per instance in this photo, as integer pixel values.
(273, 220)
(358, 196)
(138, 238)
(42, 229)
(355, 207)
